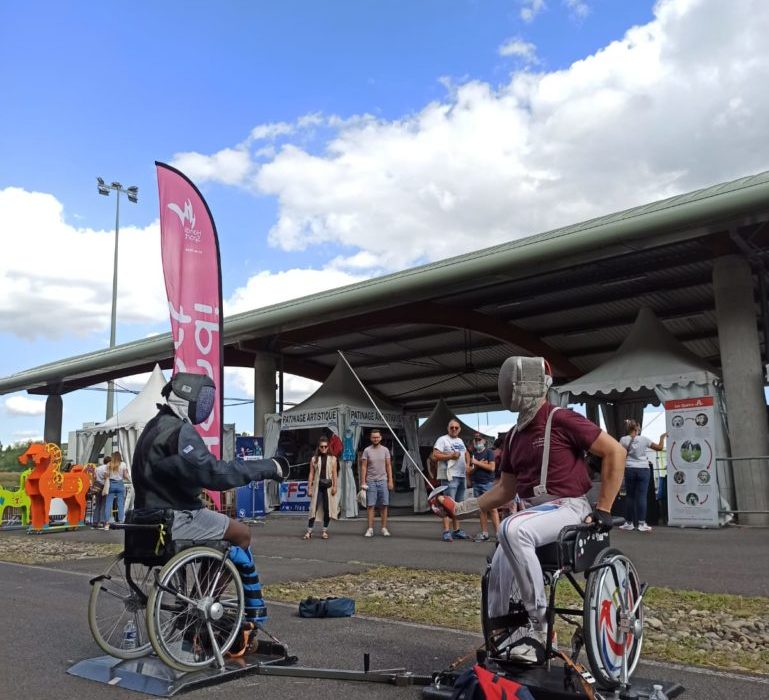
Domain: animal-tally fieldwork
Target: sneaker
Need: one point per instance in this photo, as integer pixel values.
(530, 649)
(460, 535)
(369, 532)
(385, 532)
(643, 527)
(627, 526)
(482, 537)
(447, 536)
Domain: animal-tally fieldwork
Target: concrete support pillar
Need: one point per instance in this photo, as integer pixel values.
(744, 384)
(264, 390)
(53, 413)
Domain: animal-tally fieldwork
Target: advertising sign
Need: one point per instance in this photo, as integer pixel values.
(691, 463)
(294, 496)
(248, 447)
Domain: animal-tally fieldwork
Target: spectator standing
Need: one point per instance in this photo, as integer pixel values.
(637, 474)
(449, 453)
(481, 469)
(322, 488)
(377, 481)
(117, 473)
(97, 497)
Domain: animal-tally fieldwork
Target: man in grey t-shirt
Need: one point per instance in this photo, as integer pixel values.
(376, 478)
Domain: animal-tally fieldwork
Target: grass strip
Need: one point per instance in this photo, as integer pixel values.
(727, 632)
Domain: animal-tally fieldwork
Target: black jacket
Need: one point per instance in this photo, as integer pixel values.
(172, 465)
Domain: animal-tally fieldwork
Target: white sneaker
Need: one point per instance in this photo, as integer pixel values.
(531, 649)
(369, 532)
(385, 532)
(643, 527)
(628, 526)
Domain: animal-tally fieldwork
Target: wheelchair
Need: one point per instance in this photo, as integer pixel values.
(609, 625)
(184, 600)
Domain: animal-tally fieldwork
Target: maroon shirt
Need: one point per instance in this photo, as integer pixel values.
(571, 436)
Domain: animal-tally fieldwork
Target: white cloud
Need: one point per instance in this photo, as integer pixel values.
(530, 9)
(578, 8)
(24, 406)
(295, 389)
(229, 166)
(59, 282)
(516, 46)
(267, 288)
(669, 107)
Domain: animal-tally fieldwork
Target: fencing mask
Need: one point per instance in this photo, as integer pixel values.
(191, 396)
(523, 384)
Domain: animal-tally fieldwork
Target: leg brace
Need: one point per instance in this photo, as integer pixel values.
(255, 609)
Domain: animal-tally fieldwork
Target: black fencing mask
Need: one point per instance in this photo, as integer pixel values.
(191, 396)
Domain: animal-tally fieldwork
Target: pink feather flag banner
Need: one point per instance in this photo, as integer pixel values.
(193, 277)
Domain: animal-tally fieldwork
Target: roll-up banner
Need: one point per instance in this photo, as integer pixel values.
(691, 465)
(192, 271)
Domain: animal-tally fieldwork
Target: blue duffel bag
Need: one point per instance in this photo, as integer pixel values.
(326, 607)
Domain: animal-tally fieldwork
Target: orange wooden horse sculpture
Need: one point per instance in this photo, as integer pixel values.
(47, 481)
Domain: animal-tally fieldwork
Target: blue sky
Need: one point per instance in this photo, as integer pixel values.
(339, 140)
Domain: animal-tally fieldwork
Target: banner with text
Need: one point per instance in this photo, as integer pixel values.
(294, 496)
(691, 465)
(192, 272)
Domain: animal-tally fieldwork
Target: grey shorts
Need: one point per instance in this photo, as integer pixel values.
(201, 524)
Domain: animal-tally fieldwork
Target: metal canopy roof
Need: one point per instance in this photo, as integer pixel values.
(442, 330)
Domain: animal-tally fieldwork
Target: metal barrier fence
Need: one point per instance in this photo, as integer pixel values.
(726, 468)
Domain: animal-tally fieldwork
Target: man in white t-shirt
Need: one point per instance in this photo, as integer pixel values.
(449, 453)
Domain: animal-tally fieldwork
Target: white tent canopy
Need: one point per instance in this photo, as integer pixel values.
(338, 404)
(650, 358)
(127, 423)
(651, 366)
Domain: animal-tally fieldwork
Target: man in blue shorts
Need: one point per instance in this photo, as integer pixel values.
(449, 453)
(480, 471)
(376, 477)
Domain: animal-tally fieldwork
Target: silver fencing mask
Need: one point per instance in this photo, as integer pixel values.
(523, 384)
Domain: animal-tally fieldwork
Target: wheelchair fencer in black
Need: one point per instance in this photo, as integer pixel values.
(609, 624)
(183, 599)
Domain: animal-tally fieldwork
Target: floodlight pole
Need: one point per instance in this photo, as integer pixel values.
(132, 193)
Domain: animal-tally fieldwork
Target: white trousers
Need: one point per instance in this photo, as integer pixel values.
(515, 570)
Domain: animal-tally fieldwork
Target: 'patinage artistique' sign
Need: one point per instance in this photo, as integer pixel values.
(323, 417)
(372, 416)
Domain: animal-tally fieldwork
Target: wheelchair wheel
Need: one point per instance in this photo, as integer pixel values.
(114, 603)
(194, 611)
(611, 594)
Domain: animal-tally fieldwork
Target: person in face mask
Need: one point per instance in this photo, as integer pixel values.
(480, 472)
(543, 461)
(172, 465)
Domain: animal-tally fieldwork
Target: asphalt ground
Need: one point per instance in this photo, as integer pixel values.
(46, 630)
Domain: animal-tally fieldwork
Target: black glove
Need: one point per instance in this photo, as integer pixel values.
(602, 518)
(275, 469)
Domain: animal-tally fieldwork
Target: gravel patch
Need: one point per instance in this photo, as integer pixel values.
(41, 550)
